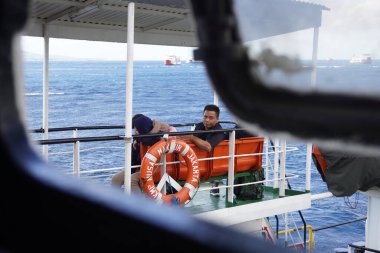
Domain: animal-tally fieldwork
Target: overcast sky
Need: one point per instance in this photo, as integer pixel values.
(102, 50)
(350, 27)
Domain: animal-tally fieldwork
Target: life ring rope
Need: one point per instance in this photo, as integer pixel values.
(148, 167)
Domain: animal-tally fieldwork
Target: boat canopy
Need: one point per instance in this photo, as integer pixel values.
(158, 22)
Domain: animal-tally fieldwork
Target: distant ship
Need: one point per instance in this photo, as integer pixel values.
(172, 60)
(364, 58)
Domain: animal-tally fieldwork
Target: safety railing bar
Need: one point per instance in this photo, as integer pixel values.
(217, 157)
(340, 224)
(323, 195)
(84, 171)
(244, 184)
(107, 127)
(85, 150)
(92, 177)
(61, 153)
(121, 137)
(80, 139)
(103, 147)
(200, 159)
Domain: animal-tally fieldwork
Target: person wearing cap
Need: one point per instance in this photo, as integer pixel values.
(142, 125)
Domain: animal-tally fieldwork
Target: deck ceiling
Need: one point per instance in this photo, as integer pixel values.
(158, 22)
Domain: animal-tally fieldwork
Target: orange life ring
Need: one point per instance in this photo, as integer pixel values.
(153, 156)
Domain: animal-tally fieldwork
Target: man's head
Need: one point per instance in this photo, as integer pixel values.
(210, 116)
(135, 117)
(143, 124)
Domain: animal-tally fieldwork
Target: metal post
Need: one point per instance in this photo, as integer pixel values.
(76, 155)
(372, 227)
(45, 93)
(267, 161)
(275, 164)
(216, 99)
(313, 80)
(308, 167)
(313, 85)
(282, 168)
(128, 98)
(286, 229)
(231, 167)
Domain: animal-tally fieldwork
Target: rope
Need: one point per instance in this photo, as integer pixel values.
(348, 202)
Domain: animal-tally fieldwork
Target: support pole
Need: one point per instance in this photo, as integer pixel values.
(308, 167)
(76, 155)
(372, 227)
(128, 98)
(216, 99)
(267, 143)
(282, 168)
(313, 85)
(45, 93)
(231, 167)
(313, 80)
(275, 164)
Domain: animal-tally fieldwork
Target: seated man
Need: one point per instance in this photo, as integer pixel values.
(207, 141)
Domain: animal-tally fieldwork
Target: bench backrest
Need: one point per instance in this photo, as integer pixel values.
(217, 167)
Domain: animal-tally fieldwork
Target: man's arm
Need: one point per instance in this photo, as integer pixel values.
(204, 145)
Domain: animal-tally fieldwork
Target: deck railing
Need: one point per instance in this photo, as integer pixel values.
(277, 168)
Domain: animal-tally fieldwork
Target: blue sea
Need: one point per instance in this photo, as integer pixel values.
(92, 93)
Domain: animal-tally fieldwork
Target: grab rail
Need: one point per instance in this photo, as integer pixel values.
(121, 137)
(71, 128)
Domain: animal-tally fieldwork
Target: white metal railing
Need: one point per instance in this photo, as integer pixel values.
(250, 183)
(275, 167)
(88, 171)
(77, 151)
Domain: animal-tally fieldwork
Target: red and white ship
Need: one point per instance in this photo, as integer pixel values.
(172, 60)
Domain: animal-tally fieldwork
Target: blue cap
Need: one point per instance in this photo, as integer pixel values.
(143, 124)
(136, 116)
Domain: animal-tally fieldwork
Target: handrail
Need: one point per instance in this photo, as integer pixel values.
(309, 227)
(244, 184)
(340, 224)
(63, 129)
(121, 137)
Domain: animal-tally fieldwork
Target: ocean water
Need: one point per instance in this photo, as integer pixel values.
(93, 93)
